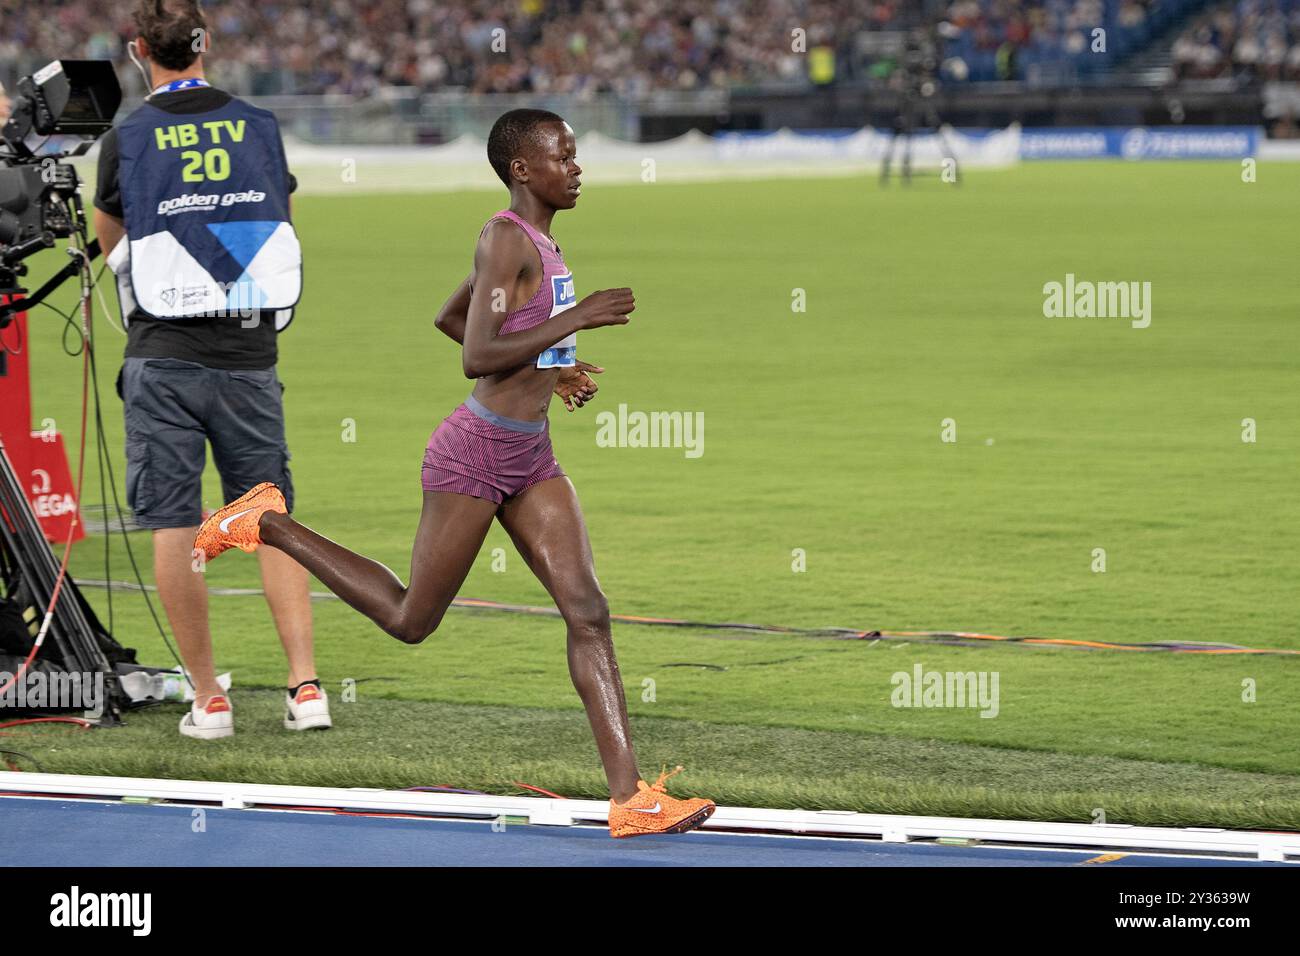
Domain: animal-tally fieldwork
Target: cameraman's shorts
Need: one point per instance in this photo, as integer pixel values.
(173, 408)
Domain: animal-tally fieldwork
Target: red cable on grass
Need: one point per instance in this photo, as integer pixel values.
(81, 472)
(528, 786)
(79, 721)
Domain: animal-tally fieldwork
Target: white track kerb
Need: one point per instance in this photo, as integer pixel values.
(551, 812)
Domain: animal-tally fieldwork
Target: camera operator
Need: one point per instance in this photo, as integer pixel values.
(192, 207)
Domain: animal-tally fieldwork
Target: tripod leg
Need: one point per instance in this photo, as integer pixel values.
(70, 634)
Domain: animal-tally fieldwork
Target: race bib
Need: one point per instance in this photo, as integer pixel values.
(563, 354)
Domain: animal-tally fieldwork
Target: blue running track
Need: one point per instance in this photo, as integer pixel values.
(82, 833)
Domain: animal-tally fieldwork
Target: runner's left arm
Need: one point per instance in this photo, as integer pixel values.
(454, 313)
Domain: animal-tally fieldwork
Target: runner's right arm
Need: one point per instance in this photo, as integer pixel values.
(504, 253)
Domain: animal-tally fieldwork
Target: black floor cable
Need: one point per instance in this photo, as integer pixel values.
(99, 457)
(104, 456)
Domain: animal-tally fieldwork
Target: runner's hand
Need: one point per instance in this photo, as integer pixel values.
(607, 307)
(575, 387)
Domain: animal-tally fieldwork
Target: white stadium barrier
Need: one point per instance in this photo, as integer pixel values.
(694, 157)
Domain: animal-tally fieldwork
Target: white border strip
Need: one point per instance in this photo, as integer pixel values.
(551, 812)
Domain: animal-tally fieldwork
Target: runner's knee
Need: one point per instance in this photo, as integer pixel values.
(588, 614)
(413, 628)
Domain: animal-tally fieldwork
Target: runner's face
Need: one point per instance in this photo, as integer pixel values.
(553, 171)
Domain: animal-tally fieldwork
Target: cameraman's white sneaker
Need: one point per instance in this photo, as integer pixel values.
(212, 722)
(307, 710)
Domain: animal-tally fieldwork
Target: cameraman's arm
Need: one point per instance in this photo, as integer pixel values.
(451, 317)
(109, 224)
(109, 230)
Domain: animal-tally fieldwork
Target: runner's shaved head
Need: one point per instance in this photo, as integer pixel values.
(512, 133)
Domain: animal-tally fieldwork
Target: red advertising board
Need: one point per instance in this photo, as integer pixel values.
(38, 457)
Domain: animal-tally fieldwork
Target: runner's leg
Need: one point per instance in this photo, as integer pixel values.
(452, 529)
(546, 524)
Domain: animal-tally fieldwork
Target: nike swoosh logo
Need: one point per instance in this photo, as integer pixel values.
(654, 809)
(225, 522)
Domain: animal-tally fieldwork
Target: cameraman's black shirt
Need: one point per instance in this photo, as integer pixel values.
(217, 343)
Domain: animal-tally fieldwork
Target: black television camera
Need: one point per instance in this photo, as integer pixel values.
(70, 103)
(919, 63)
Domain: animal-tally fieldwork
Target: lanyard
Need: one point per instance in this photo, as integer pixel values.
(185, 84)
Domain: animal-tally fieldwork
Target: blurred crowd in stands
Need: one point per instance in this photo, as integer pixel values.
(571, 46)
(1047, 39)
(633, 47)
(1248, 39)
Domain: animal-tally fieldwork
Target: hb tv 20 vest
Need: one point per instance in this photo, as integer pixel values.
(206, 201)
